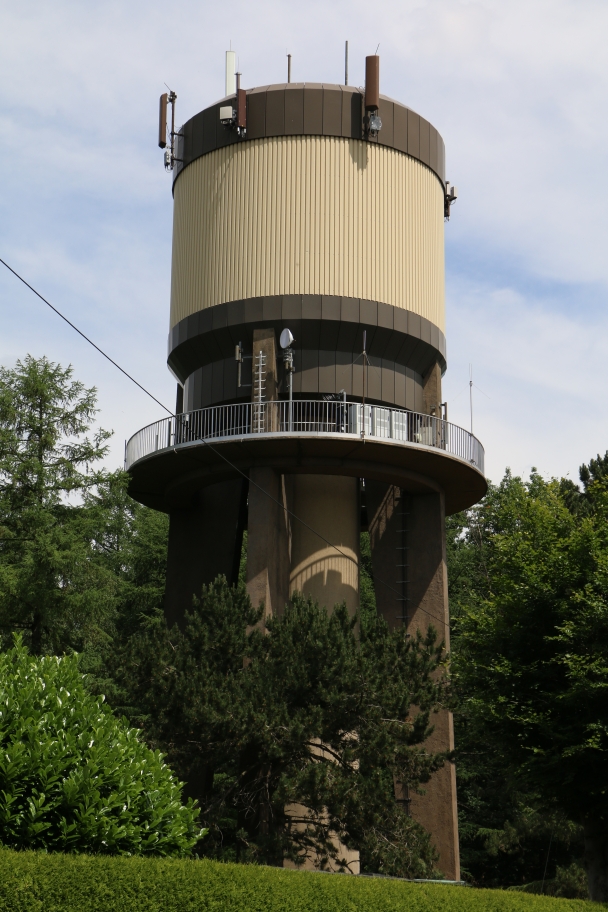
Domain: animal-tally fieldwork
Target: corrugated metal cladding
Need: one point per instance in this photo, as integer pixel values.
(308, 215)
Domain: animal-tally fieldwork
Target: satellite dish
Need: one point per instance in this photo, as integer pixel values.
(286, 338)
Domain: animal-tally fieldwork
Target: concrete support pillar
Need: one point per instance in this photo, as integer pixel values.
(204, 541)
(268, 541)
(431, 390)
(330, 505)
(407, 535)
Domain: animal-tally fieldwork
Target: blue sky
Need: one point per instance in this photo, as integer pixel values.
(518, 90)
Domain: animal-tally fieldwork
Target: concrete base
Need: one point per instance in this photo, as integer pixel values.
(311, 861)
(205, 540)
(407, 534)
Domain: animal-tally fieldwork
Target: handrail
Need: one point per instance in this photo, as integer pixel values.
(310, 417)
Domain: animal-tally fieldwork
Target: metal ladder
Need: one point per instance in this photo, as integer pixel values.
(403, 566)
(259, 424)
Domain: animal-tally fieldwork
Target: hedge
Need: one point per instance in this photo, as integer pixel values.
(39, 882)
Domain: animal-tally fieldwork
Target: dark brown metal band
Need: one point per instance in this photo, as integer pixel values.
(311, 109)
(402, 346)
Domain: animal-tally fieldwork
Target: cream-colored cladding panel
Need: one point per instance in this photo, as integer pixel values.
(308, 215)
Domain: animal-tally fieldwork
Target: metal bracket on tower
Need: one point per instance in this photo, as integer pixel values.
(451, 195)
(239, 357)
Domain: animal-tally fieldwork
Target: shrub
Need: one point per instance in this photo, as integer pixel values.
(32, 882)
(73, 777)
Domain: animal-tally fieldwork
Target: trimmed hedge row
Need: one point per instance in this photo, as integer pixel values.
(37, 882)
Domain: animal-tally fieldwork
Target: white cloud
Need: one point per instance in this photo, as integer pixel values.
(542, 371)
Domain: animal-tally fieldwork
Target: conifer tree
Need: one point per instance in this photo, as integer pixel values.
(241, 713)
(54, 586)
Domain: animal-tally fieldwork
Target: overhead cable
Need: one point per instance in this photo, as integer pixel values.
(202, 439)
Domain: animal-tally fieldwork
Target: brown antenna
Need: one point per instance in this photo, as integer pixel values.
(241, 109)
(372, 83)
(162, 121)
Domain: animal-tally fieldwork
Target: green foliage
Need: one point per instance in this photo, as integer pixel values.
(241, 714)
(533, 652)
(73, 778)
(32, 882)
(80, 561)
(132, 542)
(367, 595)
(569, 882)
(53, 585)
(530, 606)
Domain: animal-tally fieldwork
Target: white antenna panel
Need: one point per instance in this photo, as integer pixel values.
(230, 72)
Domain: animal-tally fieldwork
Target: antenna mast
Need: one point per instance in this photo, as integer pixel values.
(471, 395)
(363, 400)
(167, 98)
(230, 72)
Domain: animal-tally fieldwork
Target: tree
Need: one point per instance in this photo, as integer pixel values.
(73, 778)
(131, 541)
(242, 715)
(53, 584)
(531, 649)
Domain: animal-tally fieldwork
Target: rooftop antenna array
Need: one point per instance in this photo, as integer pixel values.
(289, 68)
(346, 63)
(166, 99)
(230, 73)
(234, 115)
(372, 94)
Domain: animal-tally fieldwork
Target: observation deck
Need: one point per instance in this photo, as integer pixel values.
(171, 459)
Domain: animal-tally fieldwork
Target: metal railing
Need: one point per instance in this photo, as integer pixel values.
(314, 417)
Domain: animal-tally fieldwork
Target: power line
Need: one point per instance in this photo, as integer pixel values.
(86, 338)
(202, 439)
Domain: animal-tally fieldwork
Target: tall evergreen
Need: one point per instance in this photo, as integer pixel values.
(291, 738)
(54, 586)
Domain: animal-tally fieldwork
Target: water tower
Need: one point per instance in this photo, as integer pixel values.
(307, 335)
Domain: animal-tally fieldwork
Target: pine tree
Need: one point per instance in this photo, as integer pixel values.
(54, 586)
(241, 715)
